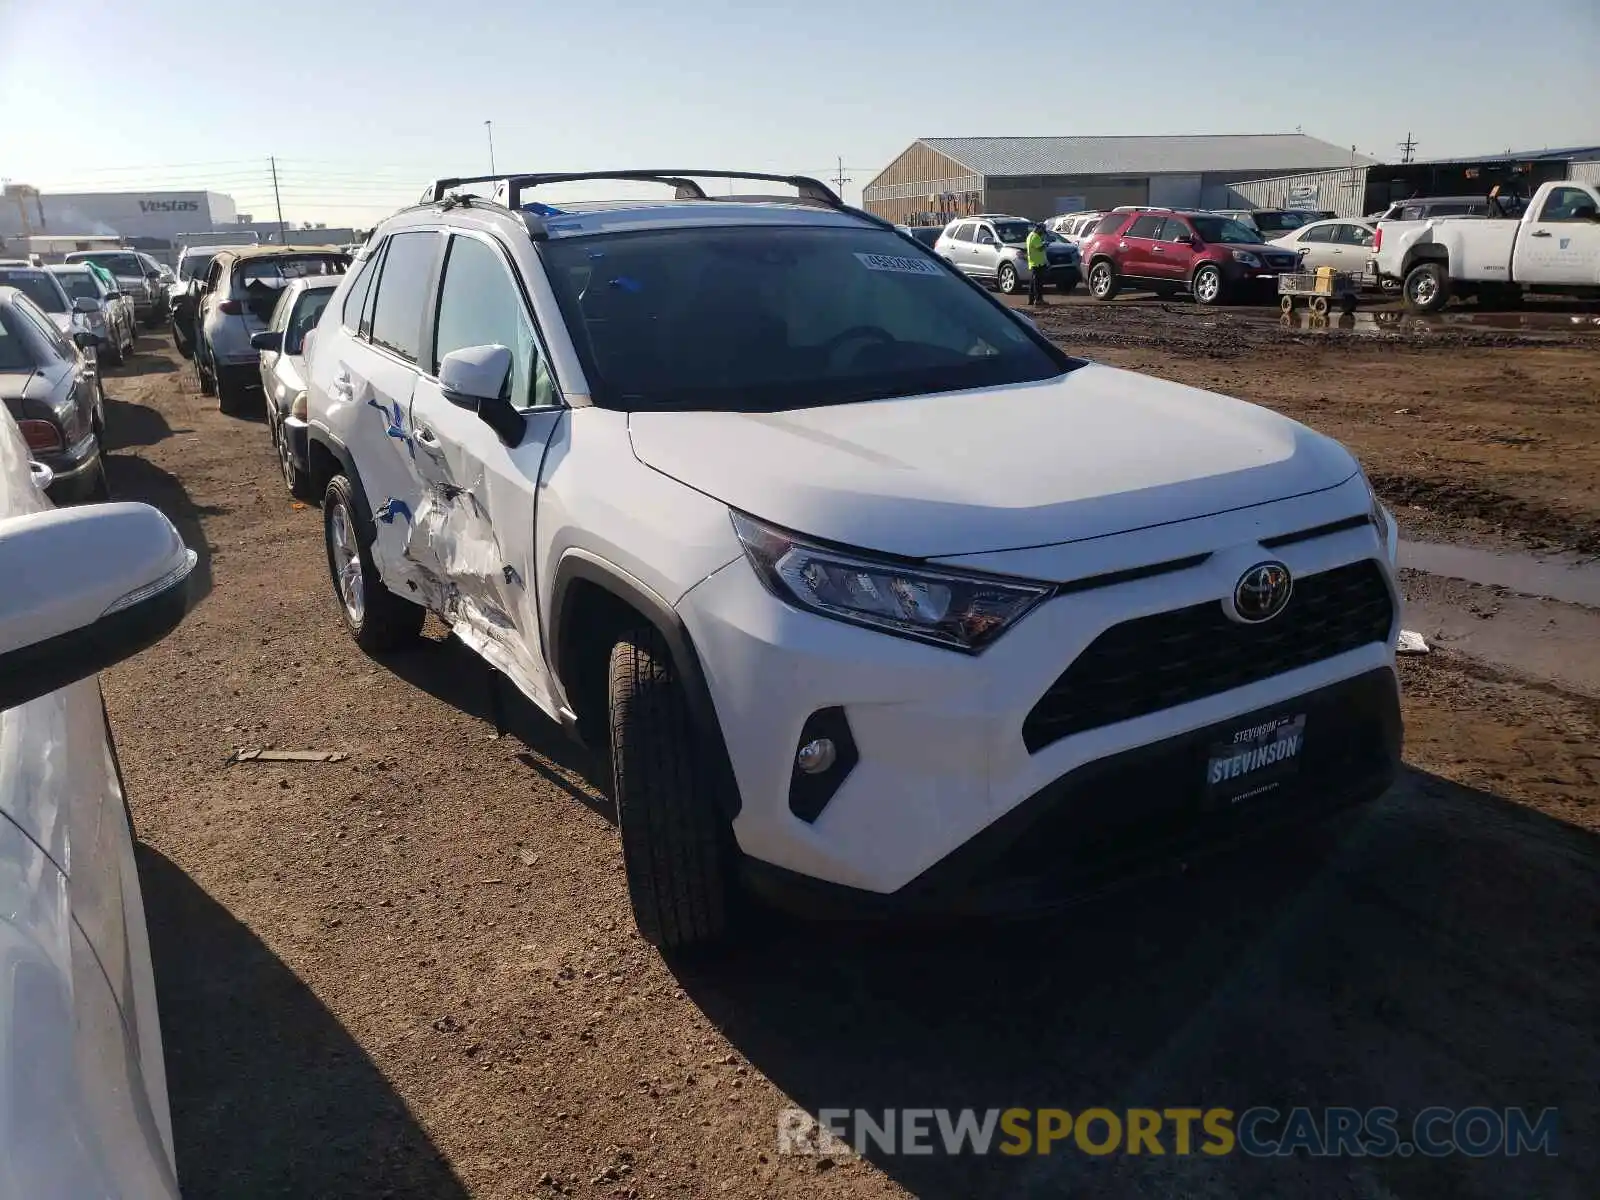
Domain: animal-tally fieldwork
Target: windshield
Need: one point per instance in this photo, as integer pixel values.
(1223, 230)
(14, 352)
(191, 265)
(1012, 233)
(758, 319)
(307, 312)
(37, 286)
(117, 264)
(79, 285)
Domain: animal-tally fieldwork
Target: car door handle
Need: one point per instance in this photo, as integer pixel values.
(343, 386)
(1540, 233)
(1158, 250)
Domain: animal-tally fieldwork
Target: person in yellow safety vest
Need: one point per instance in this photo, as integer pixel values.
(1038, 261)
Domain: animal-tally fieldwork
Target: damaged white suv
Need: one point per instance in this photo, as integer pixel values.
(876, 599)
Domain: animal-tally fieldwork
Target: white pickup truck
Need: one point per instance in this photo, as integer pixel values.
(1554, 247)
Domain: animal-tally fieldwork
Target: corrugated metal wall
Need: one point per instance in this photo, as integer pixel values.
(1342, 191)
(1584, 172)
(901, 190)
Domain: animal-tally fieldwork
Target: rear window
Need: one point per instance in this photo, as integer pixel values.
(761, 319)
(278, 270)
(79, 285)
(117, 264)
(38, 286)
(15, 354)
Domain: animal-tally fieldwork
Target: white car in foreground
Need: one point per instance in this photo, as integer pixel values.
(874, 597)
(83, 1089)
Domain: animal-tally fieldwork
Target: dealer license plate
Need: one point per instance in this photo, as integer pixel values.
(1256, 759)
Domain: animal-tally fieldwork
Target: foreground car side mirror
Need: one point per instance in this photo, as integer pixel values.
(85, 305)
(83, 339)
(113, 295)
(88, 587)
(270, 340)
(475, 377)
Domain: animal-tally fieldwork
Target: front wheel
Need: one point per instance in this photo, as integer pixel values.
(1102, 281)
(377, 618)
(1006, 280)
(676, 849)
(206, 380)
(295, 479)
(1207, 285)
(1427, 287)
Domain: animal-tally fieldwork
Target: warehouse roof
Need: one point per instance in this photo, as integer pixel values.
(1144, 155)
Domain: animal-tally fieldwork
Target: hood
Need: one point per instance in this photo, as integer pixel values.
(1095, 452)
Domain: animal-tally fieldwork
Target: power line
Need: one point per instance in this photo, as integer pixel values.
(1408, 148)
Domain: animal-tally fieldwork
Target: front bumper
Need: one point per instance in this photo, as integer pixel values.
(939, 751)
(1143, 812)
(76, 470)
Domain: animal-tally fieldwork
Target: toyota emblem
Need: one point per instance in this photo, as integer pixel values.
(1262, 593)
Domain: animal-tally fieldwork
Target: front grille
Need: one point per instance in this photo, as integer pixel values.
(1283, 261)
(1171, 658)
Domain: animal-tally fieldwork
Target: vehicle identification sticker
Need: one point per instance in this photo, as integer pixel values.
(897, 264)
(1256, 759)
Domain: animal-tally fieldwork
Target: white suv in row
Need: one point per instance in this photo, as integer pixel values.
(874, 597)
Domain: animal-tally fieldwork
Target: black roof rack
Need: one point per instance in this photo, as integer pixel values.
(687, 189)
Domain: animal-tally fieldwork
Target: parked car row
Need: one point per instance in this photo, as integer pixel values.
(640, 474)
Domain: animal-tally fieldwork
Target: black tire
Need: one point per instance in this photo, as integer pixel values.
(232, 396)
(1206, 286)
(1427, 287)
(207, 381)
(100, 493)
(112, 356)
(1006, 280)
(675, 845)
(296, 480)
(1103, 283)
(1319, 305)
(379, 620)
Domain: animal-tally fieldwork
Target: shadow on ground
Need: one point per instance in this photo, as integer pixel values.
(271, 1096)
(146, 359)
(129, 424)
(1437, 950)
(453, 674)
(135, 478)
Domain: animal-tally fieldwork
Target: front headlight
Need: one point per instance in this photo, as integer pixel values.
(1245, 257)
(956, 610)
(1383, 521)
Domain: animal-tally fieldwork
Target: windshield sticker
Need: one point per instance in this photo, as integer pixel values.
(897, 264)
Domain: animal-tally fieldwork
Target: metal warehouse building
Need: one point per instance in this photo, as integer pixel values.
(163, 215)
(935, 179)
(1357, 191)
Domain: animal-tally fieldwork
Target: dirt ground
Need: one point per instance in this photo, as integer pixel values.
(413, 972)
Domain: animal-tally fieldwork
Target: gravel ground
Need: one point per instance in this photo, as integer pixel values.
(412, 972)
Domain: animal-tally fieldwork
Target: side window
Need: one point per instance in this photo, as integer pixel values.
(1175, 228)
(1352, 235)
(45, 328)
(402, 293)
(480, 305)
(1145, 226)
(984, 235)
(1564, 203)
(355, 300)
(1320, 233)
(963, 232)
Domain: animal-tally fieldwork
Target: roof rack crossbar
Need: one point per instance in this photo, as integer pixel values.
(810, 189)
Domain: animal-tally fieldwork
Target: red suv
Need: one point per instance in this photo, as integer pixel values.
(1168, 251)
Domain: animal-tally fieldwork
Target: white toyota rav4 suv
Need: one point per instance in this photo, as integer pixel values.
(875, 598)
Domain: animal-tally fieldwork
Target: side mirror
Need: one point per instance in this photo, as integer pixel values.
(271, 340)
(83, 339)
(90, 586)
(85, 305)
(152, 275)
(113, 295)
(475, 377)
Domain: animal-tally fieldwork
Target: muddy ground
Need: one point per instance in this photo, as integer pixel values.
(413, 972)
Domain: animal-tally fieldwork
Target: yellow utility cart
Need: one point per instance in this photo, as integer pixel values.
(1319, 290)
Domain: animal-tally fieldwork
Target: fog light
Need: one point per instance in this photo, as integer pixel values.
(816, 756)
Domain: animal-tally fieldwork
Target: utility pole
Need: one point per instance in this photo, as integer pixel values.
(841, 179)
(1408, 148)
(489, 125)
(278, 200)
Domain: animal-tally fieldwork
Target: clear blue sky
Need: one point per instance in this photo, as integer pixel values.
(361, 109)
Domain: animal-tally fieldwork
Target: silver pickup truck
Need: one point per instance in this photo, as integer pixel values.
(1554, 247)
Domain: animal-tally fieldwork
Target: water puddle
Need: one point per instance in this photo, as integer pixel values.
(1557, 577)
(1398, 321)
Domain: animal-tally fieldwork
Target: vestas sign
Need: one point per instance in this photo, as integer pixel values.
(168, 206)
